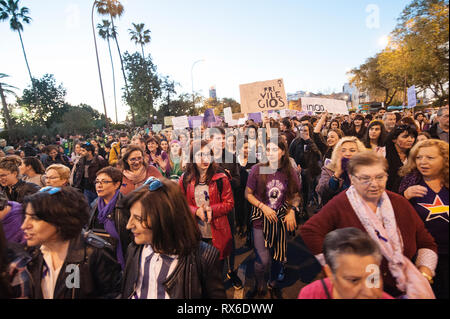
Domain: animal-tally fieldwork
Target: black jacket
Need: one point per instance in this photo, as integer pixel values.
(307, 155)
(197, 276)
(395, 164)
(99, 273)
(19, 191)
(233, 167)
(97, 164)
(120, 217)
(59, 159)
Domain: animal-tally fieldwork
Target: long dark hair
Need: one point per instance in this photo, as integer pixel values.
(381, 138)
(192, 172)
(284, 166)
(35, 164)
(174, 229)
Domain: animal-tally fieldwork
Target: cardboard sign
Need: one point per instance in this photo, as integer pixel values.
(156, 128)
(168, 120)
(180, 123)
(412, 99)
(263, 96)
(319, 105)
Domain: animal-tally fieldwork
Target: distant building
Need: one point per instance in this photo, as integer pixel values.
(213, 93)
(355, 96)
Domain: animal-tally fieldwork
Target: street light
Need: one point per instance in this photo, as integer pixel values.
(192, 78)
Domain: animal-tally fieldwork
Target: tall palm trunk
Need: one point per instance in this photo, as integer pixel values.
(114, 79)
(5, 109)
(143, 55)
(123, 71)
(98, 65)
(25, 55)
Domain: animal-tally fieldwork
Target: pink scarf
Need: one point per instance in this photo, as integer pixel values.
(137, 178)
(386, 233)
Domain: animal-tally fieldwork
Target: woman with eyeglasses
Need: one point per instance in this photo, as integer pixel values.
(66, 262)
(10, 182)
(209, 197)
(168, 260)
(135, 170)
(108, 218)
(398, 144)
(425, 185)
(273, 190)
(334, 177)
(57, 175)
(388, 218)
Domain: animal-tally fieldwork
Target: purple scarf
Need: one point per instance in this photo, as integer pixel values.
(12, 222)
(110, 227)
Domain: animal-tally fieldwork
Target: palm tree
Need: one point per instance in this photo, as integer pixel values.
(10, 10)
(5, 89)
(140, 36)
(98, 65)
(106, 32)
(113, 8)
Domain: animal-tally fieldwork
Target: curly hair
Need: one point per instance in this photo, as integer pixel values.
(411, 166)
(11, 163)
(347, 139)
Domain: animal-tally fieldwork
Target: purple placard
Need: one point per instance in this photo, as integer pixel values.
(191, 120)
(209, 116)
(257, 117)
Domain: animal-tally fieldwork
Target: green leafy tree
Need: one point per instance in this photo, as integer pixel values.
(10, 10)
(144, 85)
(106, 32)
(6, 89)
(140, 36)
(51, 104)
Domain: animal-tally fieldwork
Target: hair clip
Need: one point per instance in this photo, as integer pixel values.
(49, 189)
(153, 183)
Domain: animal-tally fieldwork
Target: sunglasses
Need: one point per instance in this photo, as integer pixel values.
(153, 184)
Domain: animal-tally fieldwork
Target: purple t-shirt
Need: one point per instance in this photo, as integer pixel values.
(433, 210)
(276, 187)
(12, 223)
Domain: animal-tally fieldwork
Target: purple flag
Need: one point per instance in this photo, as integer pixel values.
(257, 117)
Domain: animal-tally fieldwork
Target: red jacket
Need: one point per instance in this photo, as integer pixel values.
(220, 206)
(338, 213)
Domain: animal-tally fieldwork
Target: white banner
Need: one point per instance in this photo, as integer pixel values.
(228, 114)
(180, 122)
(263, 96)
(319, 105)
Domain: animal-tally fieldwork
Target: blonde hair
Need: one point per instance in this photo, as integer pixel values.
(411, 165)
(337, 149)
(63, 171)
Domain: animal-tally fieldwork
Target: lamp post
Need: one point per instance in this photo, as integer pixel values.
(192, 78)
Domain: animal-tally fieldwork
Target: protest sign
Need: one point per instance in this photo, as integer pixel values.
(195, 121)
(320, 105)
(228, 113)
(168, 120)
(156, 128)
(261, 96)
(412, 99)
(256, 117)
(209, 117)
(180, 122)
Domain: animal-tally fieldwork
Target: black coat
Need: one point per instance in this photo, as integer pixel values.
(197, 276)
(97, 164)
(120, 217)
(19, 191)
(99, 273)
(395, 164)
(307, 155)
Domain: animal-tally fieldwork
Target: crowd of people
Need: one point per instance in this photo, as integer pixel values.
(136, 214)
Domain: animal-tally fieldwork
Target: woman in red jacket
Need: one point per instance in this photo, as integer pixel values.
(209, 197)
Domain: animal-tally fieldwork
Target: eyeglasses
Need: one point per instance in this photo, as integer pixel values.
(103, 182)
(135, 159)
(366, 180)
(153, 184)
(50, 190)
(51, 177)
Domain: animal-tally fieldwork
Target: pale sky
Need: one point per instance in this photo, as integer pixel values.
(310, 44)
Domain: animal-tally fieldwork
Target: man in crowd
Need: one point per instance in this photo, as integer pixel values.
(389, 120)
(86, 171)
(114, 154)
(439, 130)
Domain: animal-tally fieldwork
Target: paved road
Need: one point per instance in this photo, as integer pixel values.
(301, 269)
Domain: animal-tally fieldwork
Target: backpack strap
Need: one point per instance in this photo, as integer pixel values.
(326, 289)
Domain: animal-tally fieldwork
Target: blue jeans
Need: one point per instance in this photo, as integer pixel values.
(264, 260)
(90, 196)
